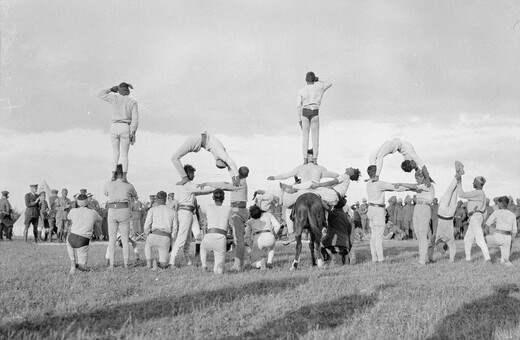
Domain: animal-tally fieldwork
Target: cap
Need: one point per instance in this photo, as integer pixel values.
(5, 193)
(481, 179)
(161, 195)
(83, 191)
(54, 191)
(33, 185)
(82, 200)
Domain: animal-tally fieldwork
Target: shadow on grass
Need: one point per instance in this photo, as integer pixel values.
(481, 318)
(313, 317)
(103, 321)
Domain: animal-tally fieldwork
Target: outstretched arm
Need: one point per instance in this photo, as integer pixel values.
(221, 185)
(325, 184)
(329, 174)
(285, 175)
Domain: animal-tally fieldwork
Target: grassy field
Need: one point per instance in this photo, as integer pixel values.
(394, 300)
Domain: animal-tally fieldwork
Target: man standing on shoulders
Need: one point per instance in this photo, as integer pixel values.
(307, 106)
(5, 216)
(125, 119)
(476, 209)
(32, 213)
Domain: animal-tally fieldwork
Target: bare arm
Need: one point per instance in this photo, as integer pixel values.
(326, 85)
(286, 175)
(329, 174)
(325, 184)
(221, 185)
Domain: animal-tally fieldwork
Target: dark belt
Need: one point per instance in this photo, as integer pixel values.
(204, 140)
(445, 218)
(239, 204)
(118, 205)
(161, 233)
(261, 231)
(187, 207)
(503, 232)
(120, 121)
(424, 203)
(377, 205)
(475, 212)
(217, 231)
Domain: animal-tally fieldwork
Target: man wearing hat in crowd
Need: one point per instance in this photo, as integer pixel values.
(476, 209)
(211, 144)
(125, 119)
(120, 193)
(505, 230)
(62, 205)
(186, 213)
(6, 223)
(52, 213)
(307, 110)
(32, 212)
(240, 214)
(159, 230)
(172, 202)
(215, 239)
(83, 220)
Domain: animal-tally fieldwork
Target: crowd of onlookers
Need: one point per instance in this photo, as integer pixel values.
(399, 217)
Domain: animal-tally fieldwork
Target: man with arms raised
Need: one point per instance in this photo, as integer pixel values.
(376, 211)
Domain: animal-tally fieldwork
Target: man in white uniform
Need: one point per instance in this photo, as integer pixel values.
(211, 144)
(376, 212)
(215, 239)
(83, 220)
(422, 212)
(125, 119)
(505, 231)
(307, 106)
(411, 160)
(186, 211)
(308, 173)
(476, 209)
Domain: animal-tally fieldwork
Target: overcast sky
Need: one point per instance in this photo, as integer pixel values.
(440, 74)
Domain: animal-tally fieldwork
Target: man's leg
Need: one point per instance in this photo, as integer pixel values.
(148, 250)
(376, 242)
(203, 252)
(452, 248)
(163, 247)
(238, 220)
(219, 252)
(82, 255)
(185, 221)
(125, 148)
(115, 141)
(34, 222)
(476, 225)
(124, 229)
(72, 258)
(468, 243)
(421, 220)
(305, 137)
(26, 224)
(112, 237)
(3, 228)
(315, 131)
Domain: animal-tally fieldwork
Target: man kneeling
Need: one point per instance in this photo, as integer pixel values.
(83, 220)
(158, 228)
(260, 232)
(338, 239)
(215, 239)
(505, 232)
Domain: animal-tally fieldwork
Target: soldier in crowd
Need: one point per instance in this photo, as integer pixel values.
(6, 222)
(62, 205)
(32, 212)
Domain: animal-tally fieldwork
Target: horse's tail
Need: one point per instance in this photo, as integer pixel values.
(314, 224)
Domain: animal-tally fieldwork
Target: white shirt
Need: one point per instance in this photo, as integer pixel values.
(83, 220)
(186, 193)
(161, 218)
(217, 216)
(310, 96)
(125, 108)
(505, 220)
(266, 222)
(376, 191)
(309, 172)
(389, 147)
(476, 198)
(240, 195)
(427, 195)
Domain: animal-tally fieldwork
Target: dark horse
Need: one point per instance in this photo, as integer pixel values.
(308, 213)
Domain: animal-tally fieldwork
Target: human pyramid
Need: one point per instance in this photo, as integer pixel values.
(167, 226)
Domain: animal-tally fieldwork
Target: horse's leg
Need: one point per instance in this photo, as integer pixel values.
(321, 263)
(311, 248)
(294, 265)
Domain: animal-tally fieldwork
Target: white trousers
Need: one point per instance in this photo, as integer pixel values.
(186, 223)
(475, 233)
(262, 242)
(422, 214)
(118, 218)
(312, 126)
(80, 255)
(376, 216)
(162, 243)
(216, 243)
(502, 241)
(120, 139)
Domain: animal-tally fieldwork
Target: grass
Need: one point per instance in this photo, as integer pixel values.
(394, 300)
